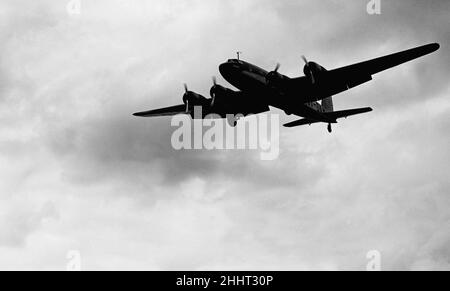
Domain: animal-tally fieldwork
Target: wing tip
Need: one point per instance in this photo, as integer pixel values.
(434, 46)
(140, 114)
(299, 122)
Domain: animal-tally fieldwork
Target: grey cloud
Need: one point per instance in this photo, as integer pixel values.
(18, 223)
(398, 27)
(68, 93)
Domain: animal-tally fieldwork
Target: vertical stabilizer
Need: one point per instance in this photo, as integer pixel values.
(327, 104)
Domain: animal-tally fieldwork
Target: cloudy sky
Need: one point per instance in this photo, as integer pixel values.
(78, 172)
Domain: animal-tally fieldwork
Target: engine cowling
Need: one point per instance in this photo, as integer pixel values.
(313, 71)
(219, 93)
(275, 79)
(193, 99)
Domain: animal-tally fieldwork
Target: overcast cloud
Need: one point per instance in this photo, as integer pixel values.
(78, 172)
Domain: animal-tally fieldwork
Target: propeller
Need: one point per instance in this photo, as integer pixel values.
(307, 66)
(213, 100)
(277, 67)
(185, 97)
(305, 60)
(272, 75)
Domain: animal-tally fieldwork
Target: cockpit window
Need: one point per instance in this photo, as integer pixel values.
(234, 61)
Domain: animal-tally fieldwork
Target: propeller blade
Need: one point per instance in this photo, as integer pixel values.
(305, 60)
(310, 72)
(213, 94)
(277, 67)
(187, 106)
(185, 88)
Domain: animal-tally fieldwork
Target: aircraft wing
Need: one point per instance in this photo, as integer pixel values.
(331, 115)
(377, 65)
(166, 111)
(341, 79)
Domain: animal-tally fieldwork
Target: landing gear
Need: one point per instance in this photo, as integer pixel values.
(329, 128)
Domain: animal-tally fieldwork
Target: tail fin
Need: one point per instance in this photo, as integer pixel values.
(327, 104)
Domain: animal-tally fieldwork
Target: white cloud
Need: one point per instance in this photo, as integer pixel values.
(79, 172)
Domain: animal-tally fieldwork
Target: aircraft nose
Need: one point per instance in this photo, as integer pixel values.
(223, 68)
(227, 69)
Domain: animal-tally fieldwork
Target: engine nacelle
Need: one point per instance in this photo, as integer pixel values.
(194, 99)
(219, 94)
(218, 91)
(275, 79)
(313, 71)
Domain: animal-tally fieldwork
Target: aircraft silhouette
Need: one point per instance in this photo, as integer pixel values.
(259, 89)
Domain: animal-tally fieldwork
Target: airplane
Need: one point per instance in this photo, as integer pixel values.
(259, 89)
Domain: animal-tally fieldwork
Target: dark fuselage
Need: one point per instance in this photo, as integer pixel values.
(251, 78)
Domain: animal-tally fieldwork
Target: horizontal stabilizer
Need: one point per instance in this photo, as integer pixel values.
(331, 115)
(299, 122)
(348, 112)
